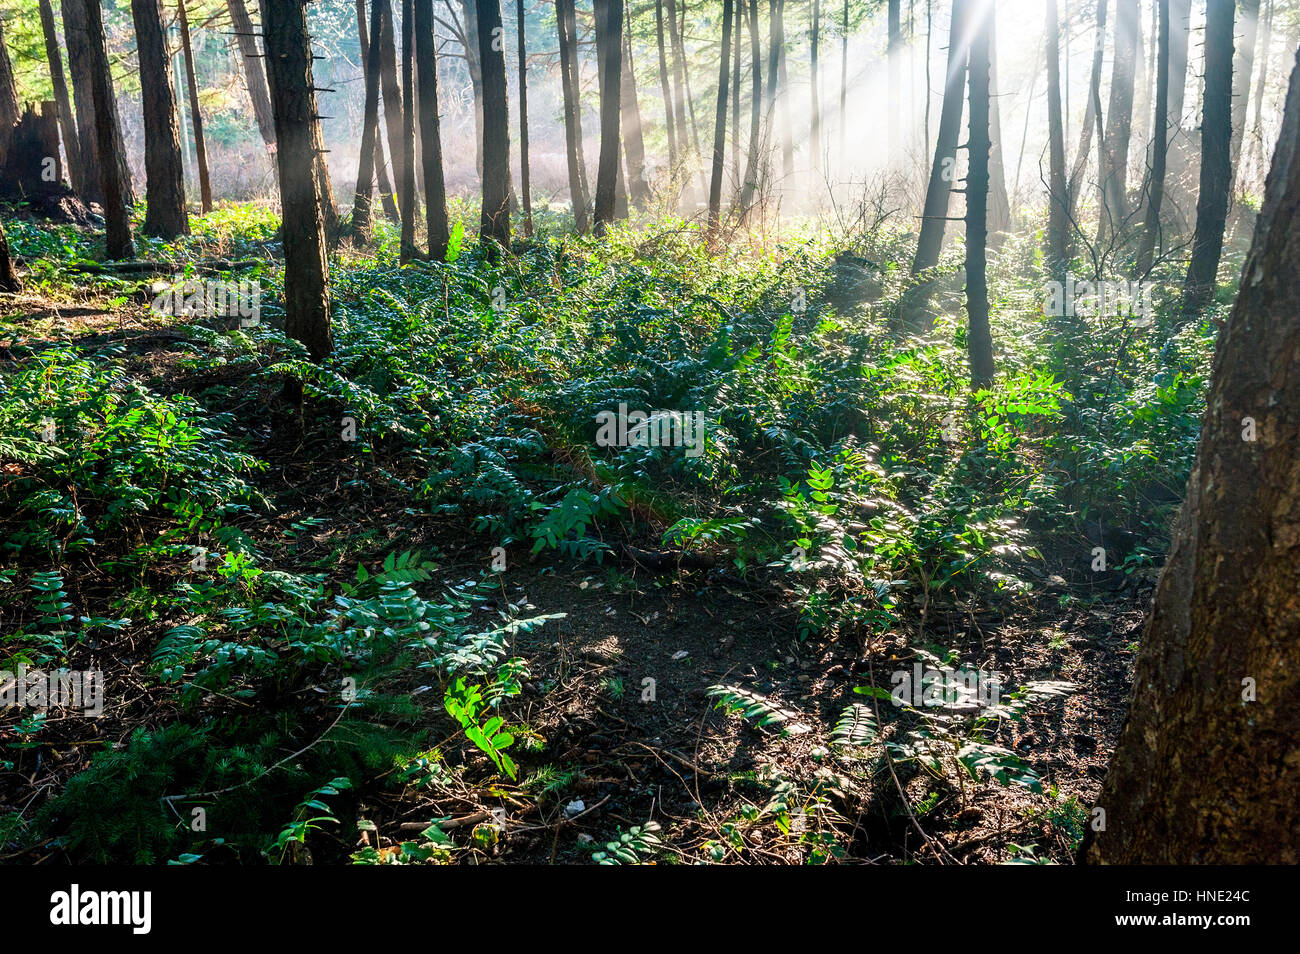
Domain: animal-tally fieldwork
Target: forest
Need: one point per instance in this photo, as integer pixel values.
(649, 432)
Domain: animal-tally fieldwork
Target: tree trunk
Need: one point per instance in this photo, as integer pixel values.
(1160, 147)
(494, 223)
(1216, 160)
(738, 15)
(435, 189)
(1092, 111)
(1206, 768)
(165, 215)
(196, 115)
(67, 119)
(609, 48)
(755, 116)
(633, 140)
(293, 105)
(9, 112)
(567, 26)
(406, 187)
(117, 243)
(361, 206)
(1263, 50)
(686, 79)
(1058, 212)
(978, 339)
(720, 123)
(254, 74)
(999, 203)
(669, 123)
(895, 107)
(8, 278)
(1242, 68)
(525, 188)
(80, 59)
(1119, 121)
(783, 95)
(815, 120)
(391, 91)
(844, 86)
(935, 215)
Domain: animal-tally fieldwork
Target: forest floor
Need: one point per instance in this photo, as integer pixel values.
(613, 720)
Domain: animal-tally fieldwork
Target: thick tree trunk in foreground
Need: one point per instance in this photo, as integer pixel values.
(118, 243)
(8, 280)
(979, 342)
(435, 190)
(609, 43)
(1159, 148)
(942, 172)
(165, 215)
(525, 187)
(720, 122)
(578, 196)
(80, 63)
(1208, 763)
(293, 103)
(67, 119)
(196, 114)
(1216, 160)
(1058, 196)
(494, 221)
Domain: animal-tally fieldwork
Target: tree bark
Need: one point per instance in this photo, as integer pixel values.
(1216, 160)
(609, 46)
(566, 23)
(720, 123)
(165, 215)
(67, 119)
(196, 114)
(942, 172)
(978, 340)
(406, 187)
(525, 187)
(1207, 765)
(117, 243)
(378, 170)
(293, 104)
(435, 189)
(1058, 212)
(1160, 146)
(80, 60)
(9, 111)
(8, 278)
(494, 222)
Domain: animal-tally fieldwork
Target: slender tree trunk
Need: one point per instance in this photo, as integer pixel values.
(118, 243)
(783, 97)
(293, 105)
(1242, 68)
(609, 46)
(978, 339)
(1119, 120)
(391, 92)
(406, 187)
(494, 224)
(844, 86)
(1058, 212)
(755, 115)
(942, 172)
(739, 15)
(1160, 146)
(164, 179)
(720, 123)
(8, 278)
(633, 140)
(1263, 55)
(1092, 111)
(567, 26)
(1206, 769)
(475, 68)
(1180, 15)
(80, 60)
(1216, 160)
(191, 80)
(435, 189)
(895, 107)
(815, 104)
(686, 80)
(525, 188)
(254, 74)
(999, 203)
(67, 119)
(369, 126)
(669, 123)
